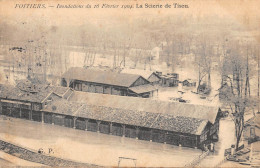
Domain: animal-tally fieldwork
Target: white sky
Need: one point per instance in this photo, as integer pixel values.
(236, 9)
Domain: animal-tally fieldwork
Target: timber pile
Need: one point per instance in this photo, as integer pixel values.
(31, 156)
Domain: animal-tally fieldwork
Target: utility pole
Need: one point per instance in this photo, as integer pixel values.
(258, 78)
(247, 89)
(45, 63)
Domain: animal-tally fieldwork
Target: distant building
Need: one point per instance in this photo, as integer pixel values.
(151, 76)
(26, 100)
(252, 129)
(224, 91)
(189, 83)
(107, 82)
(172, 123)
(170, 80)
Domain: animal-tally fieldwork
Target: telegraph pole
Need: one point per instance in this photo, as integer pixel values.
(258, 79)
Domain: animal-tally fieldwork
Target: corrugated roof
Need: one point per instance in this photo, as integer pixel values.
(148, 105)
(142, 88)
(103, 77)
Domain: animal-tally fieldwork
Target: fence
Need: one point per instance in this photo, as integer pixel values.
(221, 162)
(197, 160)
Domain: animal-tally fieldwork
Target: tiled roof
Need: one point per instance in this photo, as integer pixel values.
(169, 116)
(167, 122)
(140, 104)
(62, 106)
(102, 77)
(180, 124)
(59, 90)
(27, 91)
(14, 93)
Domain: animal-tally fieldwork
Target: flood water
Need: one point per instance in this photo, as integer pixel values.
(92, 147)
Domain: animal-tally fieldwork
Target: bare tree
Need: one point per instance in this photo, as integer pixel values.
(203, 58)
(234, 72)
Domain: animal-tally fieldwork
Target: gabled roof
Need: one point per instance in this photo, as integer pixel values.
(208, 113)
(254, 121)
(62, 106)
(142, 88)
(30, 92)
(180, 124)
(190, 80)
(15, 93)
(102, 77)
(143, 73)
(167, 122)
(59, 90)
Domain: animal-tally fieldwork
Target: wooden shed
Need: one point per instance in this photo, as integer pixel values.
(189, 83)
(169, 80)
(107, 82)
(144, 119)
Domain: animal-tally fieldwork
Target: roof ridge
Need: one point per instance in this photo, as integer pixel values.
(159, 114)
(47, 96)
(75, 113)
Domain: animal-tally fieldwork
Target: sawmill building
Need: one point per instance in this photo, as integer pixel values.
(107, 82)
(145, 119)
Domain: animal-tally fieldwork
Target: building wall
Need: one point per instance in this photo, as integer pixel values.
(64, 83)
(81, 124)
(1, 109)
(117, 129)
(169, 82)
(204, 138)
(154, 79)
(48, 118)
(36, 116)
(68, 121)
(104, 127)
(186, 83)
(108, 89)
(145, 95)
(98, 88)
(16, 109)
(140, 81)
(214, 128)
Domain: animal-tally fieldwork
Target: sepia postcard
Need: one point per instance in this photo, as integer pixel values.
(129, 83)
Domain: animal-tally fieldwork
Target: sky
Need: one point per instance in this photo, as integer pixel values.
(236, 9)
(242, 12)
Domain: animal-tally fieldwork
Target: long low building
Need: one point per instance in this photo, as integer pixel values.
(107, 82)
(172, 123)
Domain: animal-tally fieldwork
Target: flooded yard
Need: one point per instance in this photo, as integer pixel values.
(92, 147)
